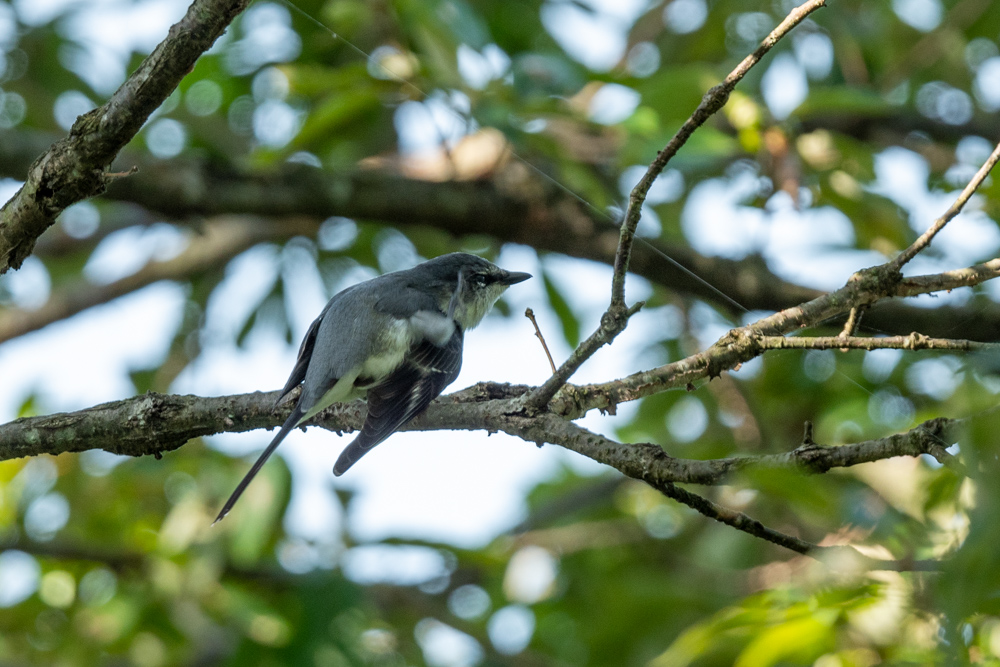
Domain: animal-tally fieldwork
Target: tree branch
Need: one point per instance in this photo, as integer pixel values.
(863, 289)
(155, 423)
(751, 526)
(949, 280)
(914, 341)
(925, 239)
(711, 103)
(616, 318)
(220, 241)
(539, 216)
(74, 167)
(649, 463)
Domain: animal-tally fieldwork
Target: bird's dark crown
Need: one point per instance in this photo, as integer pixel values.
(446, 267)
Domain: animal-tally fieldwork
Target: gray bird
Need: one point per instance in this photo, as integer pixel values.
(397, 339)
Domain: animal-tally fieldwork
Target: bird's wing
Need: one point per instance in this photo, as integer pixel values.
(302, 362)
(351, 331)
(345, 336)
(404, 394)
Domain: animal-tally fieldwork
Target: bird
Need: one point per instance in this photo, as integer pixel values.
(396, 340)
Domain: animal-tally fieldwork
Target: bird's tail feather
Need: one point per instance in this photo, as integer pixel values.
(289, 424)
(353, 452)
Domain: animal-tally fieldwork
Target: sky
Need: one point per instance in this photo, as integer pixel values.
(462, 488)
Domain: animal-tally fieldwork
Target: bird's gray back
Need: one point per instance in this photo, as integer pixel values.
(348, 335)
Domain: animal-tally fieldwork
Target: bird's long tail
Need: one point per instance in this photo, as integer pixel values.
(290, 423)
(354, 451)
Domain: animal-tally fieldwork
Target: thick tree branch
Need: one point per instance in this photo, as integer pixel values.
(74, 168)
(512, 207)
(219, 241)
(156, 423)
(544, 218)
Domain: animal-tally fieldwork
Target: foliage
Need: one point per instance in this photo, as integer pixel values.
(125, 565)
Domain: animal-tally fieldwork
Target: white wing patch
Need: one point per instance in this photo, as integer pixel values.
(433, 326)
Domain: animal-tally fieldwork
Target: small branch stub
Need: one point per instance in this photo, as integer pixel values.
(807, 434)
(530, 314)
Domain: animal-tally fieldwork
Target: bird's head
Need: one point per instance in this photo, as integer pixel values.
(468, 285)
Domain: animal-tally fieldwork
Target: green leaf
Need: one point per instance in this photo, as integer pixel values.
(570, 325)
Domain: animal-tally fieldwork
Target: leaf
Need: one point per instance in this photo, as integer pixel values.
(801, 640)
(570, 325)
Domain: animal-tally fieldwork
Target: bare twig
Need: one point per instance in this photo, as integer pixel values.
(853, 320)
(115, 175)
(925, 239)
(949, 280)
(711, 103)
(735, 519)
(530, 314)
(741, 345)
(914, 341)
(614, 321)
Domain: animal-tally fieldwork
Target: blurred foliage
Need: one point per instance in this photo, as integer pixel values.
(111, 562)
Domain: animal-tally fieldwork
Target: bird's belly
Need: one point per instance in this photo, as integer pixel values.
(394, 342)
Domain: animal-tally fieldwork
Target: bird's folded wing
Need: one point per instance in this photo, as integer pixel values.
(302, 362)
(404, 394)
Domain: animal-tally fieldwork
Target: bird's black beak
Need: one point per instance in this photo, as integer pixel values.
(514, 277)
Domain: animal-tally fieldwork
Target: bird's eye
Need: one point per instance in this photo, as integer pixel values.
(479, 280)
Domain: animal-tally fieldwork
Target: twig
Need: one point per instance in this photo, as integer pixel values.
(614, 321)
(925, 239)
(741, 345)
(942, 456)
(530, 314)
(711, 103)
(949, 280)
(914, 341)
(612, 324)
(853, 320)
(751, 526)
(737, 520)
(115, 175)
